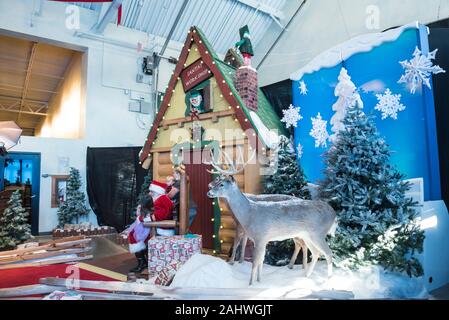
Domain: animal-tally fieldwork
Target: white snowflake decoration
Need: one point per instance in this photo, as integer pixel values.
(291, 116)
(303, 88)
(319, 131)
(299, 150)
(389, 104)
(419, 70)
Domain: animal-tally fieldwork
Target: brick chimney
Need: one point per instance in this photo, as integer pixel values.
(247, 86)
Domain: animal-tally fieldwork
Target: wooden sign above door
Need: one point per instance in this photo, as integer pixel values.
(194, 74)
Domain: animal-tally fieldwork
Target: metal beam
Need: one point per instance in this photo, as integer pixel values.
(27, 77)
(108, 16)
(18, 88)
(255, 4)
(173, 27)
(9, 109)
(20, 99)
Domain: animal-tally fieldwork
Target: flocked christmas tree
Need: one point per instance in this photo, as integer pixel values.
(74, 206)
(377, 221)
(144, 190)
(14, 227)
(289, 179)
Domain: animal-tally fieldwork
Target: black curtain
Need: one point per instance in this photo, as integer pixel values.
(280, 95)
(439, 39)
(114, 179)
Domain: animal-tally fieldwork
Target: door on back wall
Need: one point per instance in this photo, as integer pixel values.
(21, 171)
(199, 179)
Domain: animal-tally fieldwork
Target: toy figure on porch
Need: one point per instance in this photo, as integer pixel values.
(245, 46)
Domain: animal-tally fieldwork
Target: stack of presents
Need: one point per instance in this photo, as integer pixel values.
(167, 254)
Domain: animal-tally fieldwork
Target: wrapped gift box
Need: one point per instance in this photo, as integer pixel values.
(165, 251)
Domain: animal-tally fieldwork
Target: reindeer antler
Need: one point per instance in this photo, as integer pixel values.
(233, 171)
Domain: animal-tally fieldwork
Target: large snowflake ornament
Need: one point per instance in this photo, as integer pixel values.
(389, 104)
(419, 70)
(319, 131)
(291, 116)
(303, 88)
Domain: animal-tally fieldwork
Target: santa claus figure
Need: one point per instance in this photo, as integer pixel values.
(157, 207)
(163, 206)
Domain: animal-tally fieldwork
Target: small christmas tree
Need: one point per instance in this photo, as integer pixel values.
(14, 227)
(377, 222)
(289, 179)
(144, 190)
(74, 206)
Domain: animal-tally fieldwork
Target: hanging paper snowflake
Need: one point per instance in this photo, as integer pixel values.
(389, 104)
(303, 88)
(291, 116)
(299, 150)
(319, 131)
(419, 70)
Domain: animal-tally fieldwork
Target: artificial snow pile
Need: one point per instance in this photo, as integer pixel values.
(203, 271)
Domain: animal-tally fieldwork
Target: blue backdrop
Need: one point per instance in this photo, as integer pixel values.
(412, 137)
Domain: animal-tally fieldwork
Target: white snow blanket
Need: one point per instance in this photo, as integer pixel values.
(203, 271)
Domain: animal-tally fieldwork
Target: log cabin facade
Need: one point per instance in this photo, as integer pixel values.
(231, 112)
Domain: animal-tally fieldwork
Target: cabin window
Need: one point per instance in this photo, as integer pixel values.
(199, 99)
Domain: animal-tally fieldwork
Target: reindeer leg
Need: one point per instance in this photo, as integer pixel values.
(259, 252)
(323, 247)
(295, 253)
(242, 251)
(304, 254)
(315, 256)
(237, 241)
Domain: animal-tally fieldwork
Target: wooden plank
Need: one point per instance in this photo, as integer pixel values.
(43, 255)
(104, 272)
(203, 116)
(72, 243)
(59, 243)
(89, 295)
(21, 251)
(157, 290)
(29, 290)
(161, 224)
(44, 263)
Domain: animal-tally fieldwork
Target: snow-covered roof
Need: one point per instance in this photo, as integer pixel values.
(345, 50)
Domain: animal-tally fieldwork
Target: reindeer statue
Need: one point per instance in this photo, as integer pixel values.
(241, 238)
(265, 221)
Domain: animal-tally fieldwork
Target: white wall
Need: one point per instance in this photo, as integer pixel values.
(51, 150)
(322, 24)
(108, 123)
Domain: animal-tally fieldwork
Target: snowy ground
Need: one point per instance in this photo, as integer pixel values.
(203, 271)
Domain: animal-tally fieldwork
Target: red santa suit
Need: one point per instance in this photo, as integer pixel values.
(139, 235)
(163, 206)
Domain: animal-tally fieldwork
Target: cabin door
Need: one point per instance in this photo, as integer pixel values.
(199, 180)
